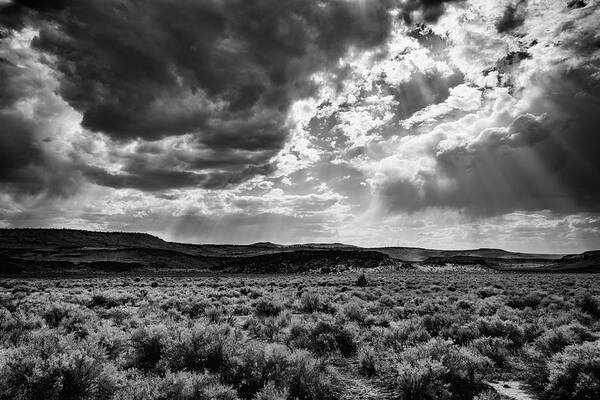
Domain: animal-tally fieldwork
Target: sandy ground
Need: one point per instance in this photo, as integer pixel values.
(511, 389)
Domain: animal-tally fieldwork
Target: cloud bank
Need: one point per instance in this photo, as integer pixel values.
(303, 120)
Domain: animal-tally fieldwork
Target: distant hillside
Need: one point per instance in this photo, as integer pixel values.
(588, 261)
(309, 260)
(416, 254)
(66, 238)
(61, 251)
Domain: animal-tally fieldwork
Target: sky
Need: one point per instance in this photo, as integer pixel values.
(427, 123)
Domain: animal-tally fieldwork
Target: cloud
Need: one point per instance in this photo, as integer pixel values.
(525, 130)
(226, 73)
(513, 16)
(412, 118)
(527, 144)
(133, 73)
(544, 159)
(427, 10)
(31, 164)
(152, 179)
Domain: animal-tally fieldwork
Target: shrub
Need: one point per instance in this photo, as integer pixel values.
(112, 340)
(535, 368)
(496, 349)
(15, 327)
(311, 379)
(256, 365)
(271, 392)
(354, 311)
(367, 361)
(555, 340)
(138, 386)
(422, 379)
(201, 348)
(192, 386)
(311, 302)
(268, 328)
(214, 314)
(45, 369)
(325, 337)
(267, 308)
(532, 300)
(495, 327)
(462, 372)
(55, 314)
(435, 323)
(109, 299)
(404, 333)
(362, 281)
(575, 373)
(590, 305)
(488, 395)
(148, 345)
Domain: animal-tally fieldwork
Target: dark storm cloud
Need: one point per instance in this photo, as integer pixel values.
(25, 168)
(151, 179)
(225, 72)
(123, 63)
(513, 17)
(548, 159)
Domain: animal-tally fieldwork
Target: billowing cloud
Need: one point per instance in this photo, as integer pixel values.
(432, 121)
(513, 16)
(224, 72)
(531, 147)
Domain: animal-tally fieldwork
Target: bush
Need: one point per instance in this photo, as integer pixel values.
(148, 345)
(367, 361)
(575, 373)
(457, 370)
(200, 348)
(436, 323)
(55, 314)
(311, 302)
(138, 386)
(267, 308)
(422, 379)
(590, 305)
(354, 312)
(271, 392)
(496, 349)
(495, 327)
(555, 340)
(15, 327)
(109, 299)
(488, 395)
(46, 369)
(532, 300)
(405, 333)
(256, 365)
(324, 337)
(213, 314)
(311, 379)
(362, 281)
(192, 386)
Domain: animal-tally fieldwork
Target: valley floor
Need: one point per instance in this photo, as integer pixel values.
(402, 335)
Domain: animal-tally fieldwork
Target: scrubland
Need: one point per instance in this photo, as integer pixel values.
(406, 335)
